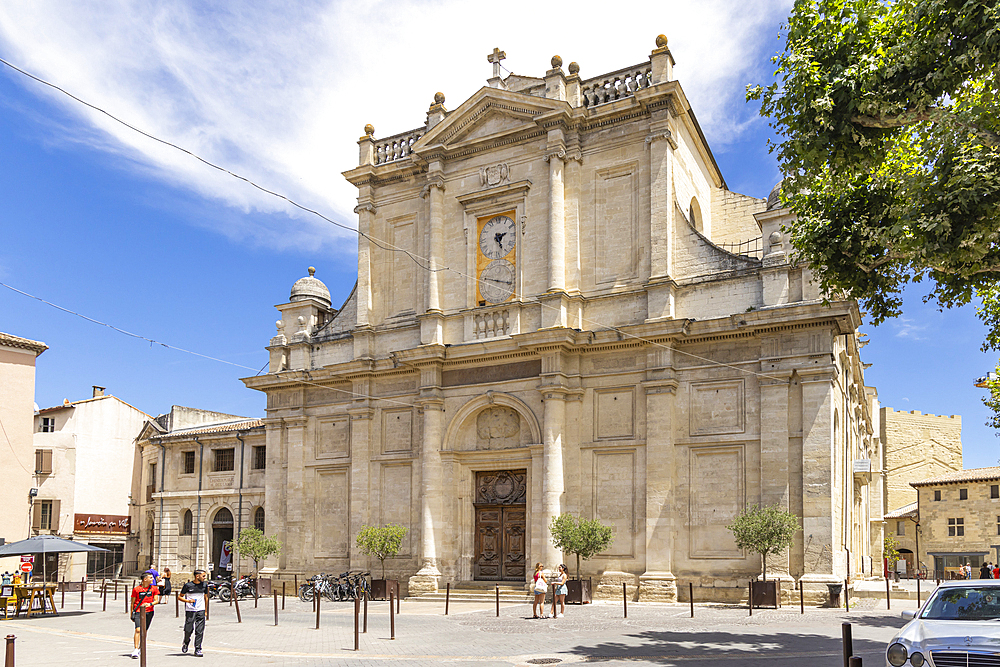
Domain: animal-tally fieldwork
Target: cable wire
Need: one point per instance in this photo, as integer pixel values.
(13, 453)
(417, 259)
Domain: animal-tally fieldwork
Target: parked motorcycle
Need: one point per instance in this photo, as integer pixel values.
(245, 586)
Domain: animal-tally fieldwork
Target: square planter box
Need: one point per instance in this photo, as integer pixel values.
(766, 594)
(578, 591)
(381, 588)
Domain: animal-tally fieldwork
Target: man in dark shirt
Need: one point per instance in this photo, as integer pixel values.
(194, 595)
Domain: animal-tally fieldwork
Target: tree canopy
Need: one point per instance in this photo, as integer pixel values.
(381, 541)
(764, 530)
(583, 537)
(888, 115)
(253, 544)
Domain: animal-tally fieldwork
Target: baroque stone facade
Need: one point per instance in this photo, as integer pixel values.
(557, 289)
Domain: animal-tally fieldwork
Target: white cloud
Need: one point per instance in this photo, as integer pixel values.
(279, 92)
(908, 328)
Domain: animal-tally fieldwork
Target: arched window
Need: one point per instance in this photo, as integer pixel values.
(223, 519)
(694, 214)
(258, 519)
(187, 523)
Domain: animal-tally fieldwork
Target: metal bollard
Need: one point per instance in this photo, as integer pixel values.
(887, 603)
(177, 605)
(624, 599)
(274, 594)
(802, 599)
(9, 661)
(365, 630)
(918, 590)
(498, 603)
(750, 598)
(62, 603)
(256, 592)
(854, 661)
(398, 597)
(357, 613)
(283, 595)
(845, 631)
(83, 589)
(239, 617)
(316, 604)
(116, 589)
(104, 595)
(847, 599)
(142, 635)
(447, 597)
(691, 597)
(392, 618)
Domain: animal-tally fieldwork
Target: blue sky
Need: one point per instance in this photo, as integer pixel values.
(107, 223)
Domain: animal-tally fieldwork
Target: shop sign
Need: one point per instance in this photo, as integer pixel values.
(113, 524)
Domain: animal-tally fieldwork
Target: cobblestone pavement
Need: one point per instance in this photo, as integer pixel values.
(597, 634)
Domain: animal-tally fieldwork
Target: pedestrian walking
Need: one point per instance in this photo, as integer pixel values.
(144, 596)
(165, 587)
(561, 590)
(538, 586)
(194, 595)
(996, 570)
(985, 572)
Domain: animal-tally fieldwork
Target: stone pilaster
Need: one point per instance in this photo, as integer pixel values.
(661, 290)
(658, 582)
(366, 216)
(361, 414)
(431, 481)
(275, 485)
(774, 477)
(556, 156)
(298, 527)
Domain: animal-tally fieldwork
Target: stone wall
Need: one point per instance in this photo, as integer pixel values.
(917, 446)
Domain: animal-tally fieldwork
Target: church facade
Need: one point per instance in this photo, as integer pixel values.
(561, 307)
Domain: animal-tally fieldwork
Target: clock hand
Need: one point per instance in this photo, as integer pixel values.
(498, 237)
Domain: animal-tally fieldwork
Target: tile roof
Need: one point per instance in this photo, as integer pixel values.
(902, 512)
(72, 404)
(971, 475)
(225, 427)
(23, 343)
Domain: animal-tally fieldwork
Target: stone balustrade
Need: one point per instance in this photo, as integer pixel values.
(616, 85)
(495, 322)
(397, 146)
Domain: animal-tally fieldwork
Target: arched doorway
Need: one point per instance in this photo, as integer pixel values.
(904, 566)
(222, 532)
(500, 525)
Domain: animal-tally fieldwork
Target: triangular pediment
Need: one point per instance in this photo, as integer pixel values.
(488, 115)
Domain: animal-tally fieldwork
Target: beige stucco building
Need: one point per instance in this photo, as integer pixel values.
(203, 481)
(917, 446)
(85, 455)
(561, 307)
(959, 515)
(17, 407)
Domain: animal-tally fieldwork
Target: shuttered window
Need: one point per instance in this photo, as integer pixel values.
(43, 461)
(45, 515)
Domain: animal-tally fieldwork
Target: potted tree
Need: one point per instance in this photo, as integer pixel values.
(382, 542)
(764, 530)
(585, 538)
(253, 544)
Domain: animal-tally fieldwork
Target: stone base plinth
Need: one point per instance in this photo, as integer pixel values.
(610, 587)
(653, 589)
(422, 584)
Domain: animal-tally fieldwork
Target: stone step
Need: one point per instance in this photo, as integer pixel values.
(471, 596)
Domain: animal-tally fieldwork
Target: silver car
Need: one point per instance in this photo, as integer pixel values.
(958, 625)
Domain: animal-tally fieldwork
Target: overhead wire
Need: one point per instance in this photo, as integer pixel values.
(13, 453)
(417, 259)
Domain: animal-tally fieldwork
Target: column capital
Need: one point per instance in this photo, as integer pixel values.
(367, 206)
(666, 386)
(434, 182)
(559, 153)
(295, 422)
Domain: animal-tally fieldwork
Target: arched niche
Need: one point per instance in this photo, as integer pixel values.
(492, 421)
(694, 214)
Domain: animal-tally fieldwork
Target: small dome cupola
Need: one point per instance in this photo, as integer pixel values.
(310, 287)
(774, 198)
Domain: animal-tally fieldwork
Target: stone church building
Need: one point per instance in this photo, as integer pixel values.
(561, 307)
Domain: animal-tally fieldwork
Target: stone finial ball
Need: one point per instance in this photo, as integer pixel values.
(556, 62)
(661, 41)
(774, 238)
(312, 271)
(438, 98)
(574, 68)
(369, 129)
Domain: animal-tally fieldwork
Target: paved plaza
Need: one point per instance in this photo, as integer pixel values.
(597, 634)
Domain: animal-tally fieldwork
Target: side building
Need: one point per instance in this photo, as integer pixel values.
(17, 465)
(85, 457)
(203, 482)
(566, 309)
(959, 521)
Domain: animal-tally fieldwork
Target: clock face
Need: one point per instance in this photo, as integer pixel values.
(498, 237)
(496, 282)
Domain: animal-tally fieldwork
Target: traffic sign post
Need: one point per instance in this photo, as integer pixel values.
(27, 567)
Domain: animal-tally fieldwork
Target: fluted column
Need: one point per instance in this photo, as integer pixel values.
(553, 483)
(432, 323)
(557, 221)
(431, 491)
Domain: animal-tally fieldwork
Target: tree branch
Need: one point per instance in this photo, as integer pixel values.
(934, 114)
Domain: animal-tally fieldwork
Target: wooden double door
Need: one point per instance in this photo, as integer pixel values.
(501, 518)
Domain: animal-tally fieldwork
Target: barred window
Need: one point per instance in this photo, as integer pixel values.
(963, 494)
(259, 457)
(225, 460)
(258, 519)
(187, 524)
(189, 463)
(956, 527)
(901, 528)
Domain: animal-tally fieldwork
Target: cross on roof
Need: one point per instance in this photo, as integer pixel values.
(495, 58)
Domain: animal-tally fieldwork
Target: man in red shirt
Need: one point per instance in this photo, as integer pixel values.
(144, 596)
(996, 570)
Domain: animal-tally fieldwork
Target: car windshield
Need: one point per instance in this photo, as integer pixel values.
(965, 603)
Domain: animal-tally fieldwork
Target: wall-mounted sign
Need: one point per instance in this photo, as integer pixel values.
(113, 524)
